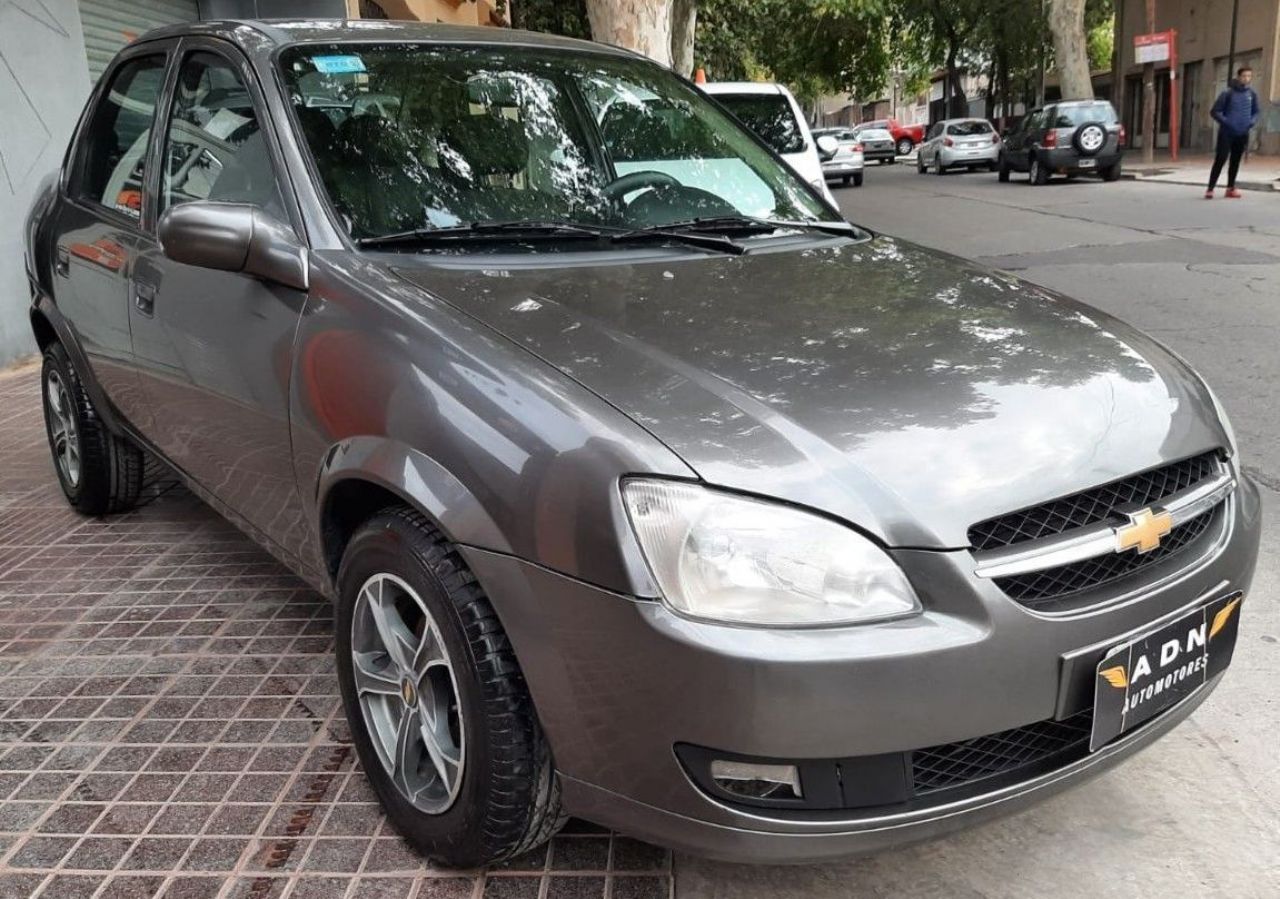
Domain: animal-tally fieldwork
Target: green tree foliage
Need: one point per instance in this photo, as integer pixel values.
(857, 47)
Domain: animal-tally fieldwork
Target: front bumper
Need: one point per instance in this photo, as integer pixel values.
(619, 682)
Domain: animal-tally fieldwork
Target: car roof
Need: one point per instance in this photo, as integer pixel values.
(257, 35)
(1092, 102)
(742, 87)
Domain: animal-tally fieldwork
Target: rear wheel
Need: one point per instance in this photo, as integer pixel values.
(920, 163)
(1039, 175)
(937, 165)
(438, 708)
(857, 179)
(846, 179)
(1112, 172)
(99, 472)
(1003, 167)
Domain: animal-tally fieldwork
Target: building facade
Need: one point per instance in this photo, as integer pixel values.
(1204, 40)
(51, 53)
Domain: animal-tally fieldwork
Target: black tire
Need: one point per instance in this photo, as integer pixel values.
(108, 476)
(1112, 172)
(937, 165)
(904, 146)
(508, 800)
(857, 180)
(846, 179)
(1003, 169)
(993, 166)
(1036, 172)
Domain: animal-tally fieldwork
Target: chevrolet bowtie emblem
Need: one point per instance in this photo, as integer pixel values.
(1144, 531)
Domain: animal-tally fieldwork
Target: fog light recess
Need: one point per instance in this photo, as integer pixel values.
(757, 781)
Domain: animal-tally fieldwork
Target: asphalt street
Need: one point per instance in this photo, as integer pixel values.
(1197, 814)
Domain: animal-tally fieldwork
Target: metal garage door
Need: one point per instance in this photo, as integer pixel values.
(110, 24)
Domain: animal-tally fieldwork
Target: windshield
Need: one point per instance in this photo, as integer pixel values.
(968, 129)
(415, 136)
(1071, 116)
(768, 115)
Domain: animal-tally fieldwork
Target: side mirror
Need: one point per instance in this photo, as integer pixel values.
(234, 237)
(828, 145)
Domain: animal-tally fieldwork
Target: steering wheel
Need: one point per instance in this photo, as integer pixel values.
(619, 187)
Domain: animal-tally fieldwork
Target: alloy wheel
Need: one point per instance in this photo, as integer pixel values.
(408, 693)
(63, 434)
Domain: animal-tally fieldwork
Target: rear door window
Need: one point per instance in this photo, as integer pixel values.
(113, 155)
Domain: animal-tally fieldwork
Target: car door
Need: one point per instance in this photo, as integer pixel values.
(214, 348)
(930, 146)
(1018, 145)
(101, 217)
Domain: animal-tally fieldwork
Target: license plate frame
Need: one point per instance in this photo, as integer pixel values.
(1088, 163)
(1154, 671)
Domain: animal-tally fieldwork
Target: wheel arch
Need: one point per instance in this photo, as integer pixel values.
(363, 475)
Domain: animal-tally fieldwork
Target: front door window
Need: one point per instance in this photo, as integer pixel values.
(215, 148)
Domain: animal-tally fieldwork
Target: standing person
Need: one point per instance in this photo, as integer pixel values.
(1236, 111)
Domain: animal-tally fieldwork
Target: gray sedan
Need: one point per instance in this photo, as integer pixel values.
(959, 143)
(647, 489)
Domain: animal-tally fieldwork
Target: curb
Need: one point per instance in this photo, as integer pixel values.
(1160, 178)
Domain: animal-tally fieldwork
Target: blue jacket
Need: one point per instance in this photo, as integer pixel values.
(1236, 109)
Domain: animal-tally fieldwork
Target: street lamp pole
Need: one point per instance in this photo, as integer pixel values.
(1231, 50)
(1149, 96)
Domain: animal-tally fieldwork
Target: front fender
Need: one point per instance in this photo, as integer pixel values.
(417, 479)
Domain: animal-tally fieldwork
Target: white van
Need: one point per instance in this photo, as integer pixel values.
(774, 115)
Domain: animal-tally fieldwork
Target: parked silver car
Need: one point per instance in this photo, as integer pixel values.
(647, 489)
(959, 143)
(845, 160)
(877, 144)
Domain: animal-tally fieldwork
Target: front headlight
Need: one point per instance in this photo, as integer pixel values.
(1232, 445)
(726, 558)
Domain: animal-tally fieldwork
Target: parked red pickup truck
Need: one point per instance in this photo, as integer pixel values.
(906, 136)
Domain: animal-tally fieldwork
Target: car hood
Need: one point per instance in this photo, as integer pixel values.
(902, 390)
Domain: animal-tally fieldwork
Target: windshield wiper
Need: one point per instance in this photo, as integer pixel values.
(420, 236)
(739, 224)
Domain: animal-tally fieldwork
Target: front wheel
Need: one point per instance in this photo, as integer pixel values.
(99, 472)
(439, 711)
(1004, 170)
(904, 146)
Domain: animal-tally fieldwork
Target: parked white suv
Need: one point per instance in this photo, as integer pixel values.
(774, 115)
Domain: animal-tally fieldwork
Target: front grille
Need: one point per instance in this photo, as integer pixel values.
(1093, 506)
(1039, 588)
(961, 764)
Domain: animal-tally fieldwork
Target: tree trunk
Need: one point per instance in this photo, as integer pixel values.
(684, 20)
(640, 25)
(958, 105)
(1070, 48)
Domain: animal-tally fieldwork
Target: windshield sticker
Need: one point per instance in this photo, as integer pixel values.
(338, 65)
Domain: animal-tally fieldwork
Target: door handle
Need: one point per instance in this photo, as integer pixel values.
(62, 261)
(144, 298)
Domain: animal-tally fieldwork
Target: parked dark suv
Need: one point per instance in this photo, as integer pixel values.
(1072, 137)
(648, 490)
